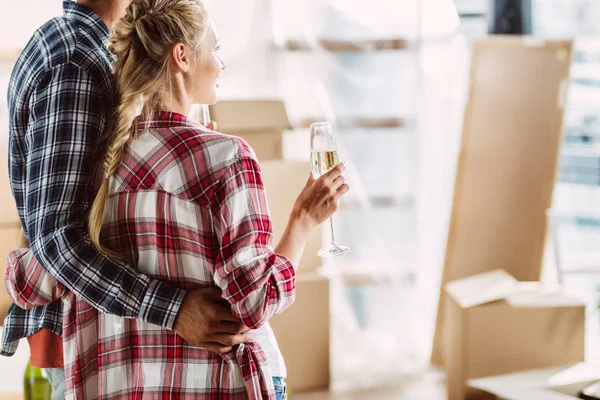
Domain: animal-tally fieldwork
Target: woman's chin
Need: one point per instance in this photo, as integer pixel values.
(208, 99)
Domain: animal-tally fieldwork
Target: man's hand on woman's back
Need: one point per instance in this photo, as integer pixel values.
(205, 321)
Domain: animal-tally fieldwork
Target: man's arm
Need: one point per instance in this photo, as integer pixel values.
(67, 120)
(68, 116)
(28, 283)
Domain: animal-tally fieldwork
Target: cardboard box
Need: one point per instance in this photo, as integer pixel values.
(545, 384)
(497, 325)
(303, 334)
(260, 122)
(512, 133)
(284, 180)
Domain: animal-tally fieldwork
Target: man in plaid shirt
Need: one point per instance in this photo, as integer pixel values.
(61, 98)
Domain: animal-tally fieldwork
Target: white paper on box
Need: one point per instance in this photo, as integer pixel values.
(543, 384)
(537, 394)
(577, 373)
(502, 385)
(538, 294)
(482, 288)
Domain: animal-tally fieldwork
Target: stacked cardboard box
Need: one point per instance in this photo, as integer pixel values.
(284, 180)
(303, 333)
(303, 330)
(261, 123)
(512, 133)
(497, 325)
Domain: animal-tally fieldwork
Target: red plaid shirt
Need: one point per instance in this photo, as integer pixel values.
(187, 206)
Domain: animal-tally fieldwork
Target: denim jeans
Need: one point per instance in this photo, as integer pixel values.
(280, 388)
(56, 377)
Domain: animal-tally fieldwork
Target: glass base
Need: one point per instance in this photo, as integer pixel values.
(333, 251)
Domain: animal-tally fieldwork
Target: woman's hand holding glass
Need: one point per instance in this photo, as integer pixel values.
(320, 197)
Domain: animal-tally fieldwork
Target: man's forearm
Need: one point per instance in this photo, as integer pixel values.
(110, 286)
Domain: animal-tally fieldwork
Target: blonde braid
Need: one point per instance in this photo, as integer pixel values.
(142, 41)
(114, 155)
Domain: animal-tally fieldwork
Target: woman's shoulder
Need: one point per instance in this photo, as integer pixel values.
(189, 161)
(223, 148)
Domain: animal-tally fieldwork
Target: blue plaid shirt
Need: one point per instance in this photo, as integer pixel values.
(61, 99)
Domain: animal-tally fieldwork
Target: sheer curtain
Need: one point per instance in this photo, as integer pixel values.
(402, 173)
(396, 99)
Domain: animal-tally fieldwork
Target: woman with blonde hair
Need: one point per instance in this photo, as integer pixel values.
(186, 205)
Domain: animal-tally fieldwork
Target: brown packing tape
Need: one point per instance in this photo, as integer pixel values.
(507, 164)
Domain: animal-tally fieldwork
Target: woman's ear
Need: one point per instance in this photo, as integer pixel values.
(180, 57)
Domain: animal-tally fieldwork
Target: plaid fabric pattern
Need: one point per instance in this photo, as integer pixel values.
(28, 284)
(60, 97)
(187, 206)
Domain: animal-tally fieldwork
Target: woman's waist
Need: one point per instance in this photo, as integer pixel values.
(119, 334)
(265, 337)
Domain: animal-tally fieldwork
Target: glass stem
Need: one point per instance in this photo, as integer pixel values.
(332, 233)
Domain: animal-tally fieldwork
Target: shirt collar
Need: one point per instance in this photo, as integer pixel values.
(164, 119)
(88, 19)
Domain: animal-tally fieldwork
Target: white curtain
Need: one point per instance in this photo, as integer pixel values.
(396, 218)
(383, 329)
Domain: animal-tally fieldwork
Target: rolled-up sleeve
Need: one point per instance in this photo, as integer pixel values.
(28, 283)
(257, 282)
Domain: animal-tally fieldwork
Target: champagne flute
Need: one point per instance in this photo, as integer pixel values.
(205, 114)
(324, 157)
(201, 113)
